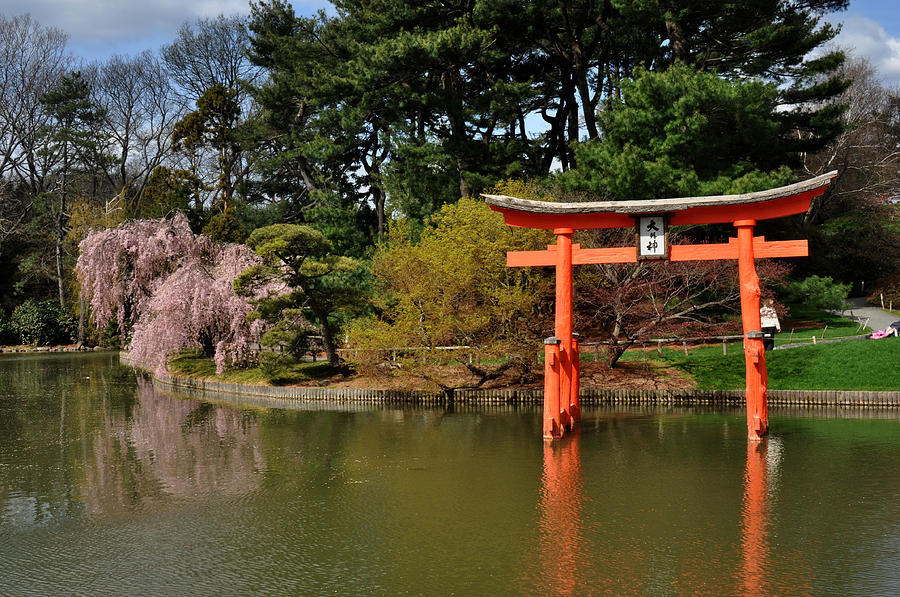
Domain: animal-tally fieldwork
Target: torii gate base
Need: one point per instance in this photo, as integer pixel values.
(561, 368)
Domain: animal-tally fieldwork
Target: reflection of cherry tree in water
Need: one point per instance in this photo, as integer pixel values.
(170, 449)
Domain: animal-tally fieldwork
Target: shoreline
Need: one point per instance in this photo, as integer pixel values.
(292, 397)
(286, 396)
(24, 349)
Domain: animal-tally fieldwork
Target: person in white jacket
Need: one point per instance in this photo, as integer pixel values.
(769, 323)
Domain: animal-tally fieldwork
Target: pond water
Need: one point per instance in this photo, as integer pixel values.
(109, 487)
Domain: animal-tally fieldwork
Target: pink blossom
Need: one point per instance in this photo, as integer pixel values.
(173, 287)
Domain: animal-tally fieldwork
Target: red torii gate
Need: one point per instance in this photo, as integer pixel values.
(651, 218)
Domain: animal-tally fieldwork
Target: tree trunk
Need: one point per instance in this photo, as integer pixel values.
(617, 349)
(61, 228)
(554, 145)
(59, 266)
(379, 210)
(373, 178)
(81, 310)
(464, 189)
(677, 42)
(327, 339)
(306, 174)
(588, 106)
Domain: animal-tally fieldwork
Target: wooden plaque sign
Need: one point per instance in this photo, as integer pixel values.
(652, 237)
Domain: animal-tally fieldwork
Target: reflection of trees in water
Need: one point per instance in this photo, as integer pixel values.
(169, 449)
(50, 403)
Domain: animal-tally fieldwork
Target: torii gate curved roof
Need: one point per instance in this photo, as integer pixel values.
(761, 205)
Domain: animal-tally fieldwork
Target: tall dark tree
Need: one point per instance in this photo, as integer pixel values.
(454, 71)
(73, 139)
(213, 124)
(453, 88)
(398, 90)
(319, 154)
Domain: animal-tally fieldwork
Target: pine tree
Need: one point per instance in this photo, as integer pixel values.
(681, 133)
(446, 88)
(319, 284)
(73, 141)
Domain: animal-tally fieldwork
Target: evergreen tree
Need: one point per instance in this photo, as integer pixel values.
(681, 132)
(72, 139)
(318, 154)
(319, 284)
(213, 124)
(389, 91)
(446, 88)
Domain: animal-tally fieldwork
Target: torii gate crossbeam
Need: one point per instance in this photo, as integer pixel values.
(561, 371)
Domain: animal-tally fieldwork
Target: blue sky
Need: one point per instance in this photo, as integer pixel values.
(871, 28)
(101, 28)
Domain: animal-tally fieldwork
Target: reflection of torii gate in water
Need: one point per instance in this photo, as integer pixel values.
(651, 218)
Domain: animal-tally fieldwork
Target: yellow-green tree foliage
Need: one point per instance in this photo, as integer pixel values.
(87, 214)
(451, 287)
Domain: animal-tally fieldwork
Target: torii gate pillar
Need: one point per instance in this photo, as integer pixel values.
(561, 358)
(754, 352)
(561, 370)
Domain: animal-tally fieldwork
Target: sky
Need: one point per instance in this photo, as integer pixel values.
(99, 29)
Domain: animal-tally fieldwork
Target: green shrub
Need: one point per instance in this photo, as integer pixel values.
(42, 323)
(822, 293)
(226, 227)
(274, 366)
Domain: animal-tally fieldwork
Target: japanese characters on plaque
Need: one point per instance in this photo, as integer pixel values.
(652, 237)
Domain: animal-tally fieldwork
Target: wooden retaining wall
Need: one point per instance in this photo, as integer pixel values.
(270, 396)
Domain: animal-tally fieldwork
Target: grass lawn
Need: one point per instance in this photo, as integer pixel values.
(198, 367)
(805, 322)
(850, 365)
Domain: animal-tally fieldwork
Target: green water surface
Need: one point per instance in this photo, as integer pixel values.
(109, 487)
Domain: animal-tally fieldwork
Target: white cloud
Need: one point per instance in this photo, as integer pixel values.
(102, 27)
(113, 20)
(99, 28)
(866, 38)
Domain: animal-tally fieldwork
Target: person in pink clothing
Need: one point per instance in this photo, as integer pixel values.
(888, 331)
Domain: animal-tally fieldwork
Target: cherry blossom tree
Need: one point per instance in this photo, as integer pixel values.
(172, 289)
(116, 266)
(196, 306)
